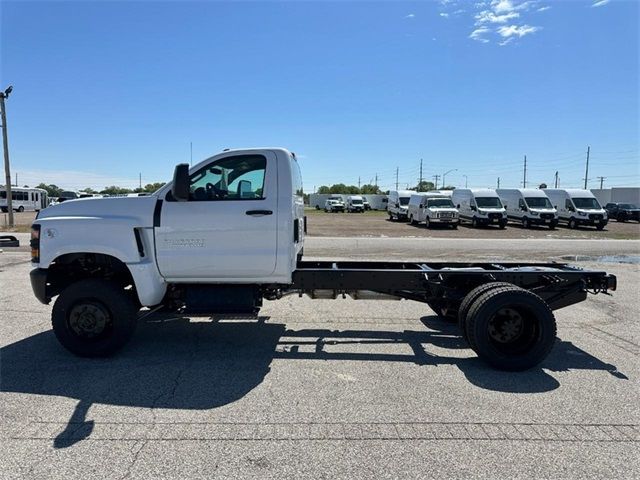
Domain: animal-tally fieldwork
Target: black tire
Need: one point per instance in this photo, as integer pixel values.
(317, 207)
(511, 328)
(85, 303)
(427, 222)
(600, 227)
(454, 226)
(553, 225)
(20, 209)
(474, 222)
(502, 225)
(471, 297)
(572, 224)
(526, 223)
(411, 220)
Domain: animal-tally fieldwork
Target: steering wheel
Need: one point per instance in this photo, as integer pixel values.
(215, 192)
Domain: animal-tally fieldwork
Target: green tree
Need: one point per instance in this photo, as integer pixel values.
(152, 187)
(89, 190)
(425, 186)
(338, 188)
(370, 190)
(115, 190)
(52, 190)
(323, 189)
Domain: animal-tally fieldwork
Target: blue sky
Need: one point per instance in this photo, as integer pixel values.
(105, 90)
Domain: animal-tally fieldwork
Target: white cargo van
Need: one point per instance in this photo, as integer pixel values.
(398, 206)
(480, 206)
(528, 206)
(577, 207)
(355, 203)
(432, 209)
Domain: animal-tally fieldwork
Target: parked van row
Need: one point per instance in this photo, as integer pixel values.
(487, 207)
(354, 204)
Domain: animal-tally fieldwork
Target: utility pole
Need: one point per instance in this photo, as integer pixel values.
(17, 179)
(420, 181)
(586, 172)
(524, 180)
(601, 181)
(376, 184)
(5, 142)
(466, 181)
(140, 180)
(191, 154)
(397, 172)
(556, 180)
(358, 182)
(436, 177)
(498, 182)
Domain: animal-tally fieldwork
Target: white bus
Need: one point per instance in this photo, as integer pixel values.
(24, 199)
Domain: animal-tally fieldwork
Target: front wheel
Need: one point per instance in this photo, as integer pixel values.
(572, 224)
(600, 227)
(525, 223)
(427, 222)
(20, 209)
(474, 222)
(93, 318)
(502, 225)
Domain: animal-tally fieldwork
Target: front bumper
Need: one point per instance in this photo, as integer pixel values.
(491, 221)
(38, 278)
(543, 221)
(591, 222)
(449, 221)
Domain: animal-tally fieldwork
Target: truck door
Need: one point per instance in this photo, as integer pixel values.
(228, 228)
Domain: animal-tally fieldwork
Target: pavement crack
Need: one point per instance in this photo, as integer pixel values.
(136, 454)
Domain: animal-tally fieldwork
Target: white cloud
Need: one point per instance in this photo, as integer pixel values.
(517, 30)
(444, 15)
(478, 34)
(543, 9)
(487, 16)
(600, 3)
(411, 15)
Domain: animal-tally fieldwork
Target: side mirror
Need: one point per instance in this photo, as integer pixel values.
(244, 189)
(458, 206)
(524, 208)
(180, 186)
(473, 207)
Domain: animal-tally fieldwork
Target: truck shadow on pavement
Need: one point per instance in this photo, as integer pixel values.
(175, 363)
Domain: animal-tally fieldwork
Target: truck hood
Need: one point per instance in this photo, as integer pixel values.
(139, 210)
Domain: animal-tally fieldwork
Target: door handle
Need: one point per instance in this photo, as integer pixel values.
(259, 212)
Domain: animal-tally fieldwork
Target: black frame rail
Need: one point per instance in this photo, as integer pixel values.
(559, 284)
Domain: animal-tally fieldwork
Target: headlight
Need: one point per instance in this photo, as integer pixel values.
(582, 214)
(535, 214)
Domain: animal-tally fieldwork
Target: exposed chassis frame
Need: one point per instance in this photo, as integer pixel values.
(558, 284)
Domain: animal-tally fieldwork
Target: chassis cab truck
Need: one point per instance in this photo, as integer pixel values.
(229, 232)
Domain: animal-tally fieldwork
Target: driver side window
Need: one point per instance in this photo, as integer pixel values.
(238, 177)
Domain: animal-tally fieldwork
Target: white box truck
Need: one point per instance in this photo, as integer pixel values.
(577, 207)
(528, 206)
(229, 233)
(479, 206)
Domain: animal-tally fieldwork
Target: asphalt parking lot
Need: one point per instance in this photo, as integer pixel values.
(326, 388)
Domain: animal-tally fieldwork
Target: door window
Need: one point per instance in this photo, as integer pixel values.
(238, 177)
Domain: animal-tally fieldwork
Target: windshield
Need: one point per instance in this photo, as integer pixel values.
(627, 205)
(538, 202)
(488, 202)
(587, 203)
(356, 202)
(69, 195)
(404, 200)
(335, 199)
(440, 202)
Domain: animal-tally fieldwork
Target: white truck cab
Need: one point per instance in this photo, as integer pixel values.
(398, 204)
(433, 209)
(334, 204)
(479, 206)
(577, 207)
(355, 203)
(528, 206)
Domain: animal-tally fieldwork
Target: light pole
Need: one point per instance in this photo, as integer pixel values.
(5, 142)
(466, 181)
(445, 174)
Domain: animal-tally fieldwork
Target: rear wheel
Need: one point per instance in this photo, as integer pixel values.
(411, 220)
(525, 223)
(20, 209)
(511, 328)
(471, 297)
(93, 318)
(572, 224)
